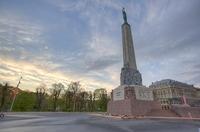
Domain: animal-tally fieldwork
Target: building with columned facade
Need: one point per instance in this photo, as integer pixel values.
(169, 92)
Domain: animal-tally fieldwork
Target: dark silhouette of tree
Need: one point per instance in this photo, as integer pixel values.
(75, 88)
(40, 96)
(82, 99)
(90, 102)
(68, 99)
(4, 91)
(55, 93)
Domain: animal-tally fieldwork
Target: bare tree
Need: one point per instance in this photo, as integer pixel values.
(55, 93)
(90, 101)
(93, 101)
(68, 98)
(75, 88)
(40, 96)
(84, 97)
(81, 101)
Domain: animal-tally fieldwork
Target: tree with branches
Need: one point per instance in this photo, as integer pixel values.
(55, 93)
(75, 88)
(40, 96)
(100, 99)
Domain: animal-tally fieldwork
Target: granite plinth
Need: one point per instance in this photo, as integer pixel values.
(130, 105)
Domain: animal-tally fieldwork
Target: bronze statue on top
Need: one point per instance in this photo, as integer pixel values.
(124, 15)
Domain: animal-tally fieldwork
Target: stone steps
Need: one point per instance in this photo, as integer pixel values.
(162, 113)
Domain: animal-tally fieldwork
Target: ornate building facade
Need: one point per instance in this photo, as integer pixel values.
(170, 92)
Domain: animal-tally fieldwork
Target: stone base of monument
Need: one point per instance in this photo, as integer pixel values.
(132, 100)
(137, 101)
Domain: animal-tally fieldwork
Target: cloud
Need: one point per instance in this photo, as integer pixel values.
(168, 38)
(101, 63)
(83, 43)
(102, 52)
(15, 30)
(6, 72)
(79, 5)
(35, 75)
(19, 38)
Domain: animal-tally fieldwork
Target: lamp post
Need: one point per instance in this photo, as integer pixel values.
(15, 92)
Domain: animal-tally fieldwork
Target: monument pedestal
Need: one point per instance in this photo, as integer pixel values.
(131, 100)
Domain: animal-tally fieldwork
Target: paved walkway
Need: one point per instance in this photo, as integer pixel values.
(89, 122)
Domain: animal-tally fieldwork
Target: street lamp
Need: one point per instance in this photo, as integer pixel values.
(15, 92)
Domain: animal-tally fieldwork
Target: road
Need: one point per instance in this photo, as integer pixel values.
(87, 122)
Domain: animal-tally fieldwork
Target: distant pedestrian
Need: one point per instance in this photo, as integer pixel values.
(1, 115)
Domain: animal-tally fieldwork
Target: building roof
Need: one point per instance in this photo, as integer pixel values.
(170, 82)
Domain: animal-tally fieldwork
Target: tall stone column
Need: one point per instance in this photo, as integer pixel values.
(129, 73)
(128, 49)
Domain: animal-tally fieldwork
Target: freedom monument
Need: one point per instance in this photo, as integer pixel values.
(129, 73)
(162, 98)
(131, 97)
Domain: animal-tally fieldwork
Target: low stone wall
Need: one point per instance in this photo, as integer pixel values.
(186, 111)
(131, 107)
(119, 107)
(142, 107)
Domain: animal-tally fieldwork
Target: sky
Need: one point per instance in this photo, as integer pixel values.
(48, 41)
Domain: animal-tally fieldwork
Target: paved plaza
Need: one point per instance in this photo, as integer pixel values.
(87, 122)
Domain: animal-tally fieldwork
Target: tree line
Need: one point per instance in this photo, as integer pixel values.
(70, 98)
